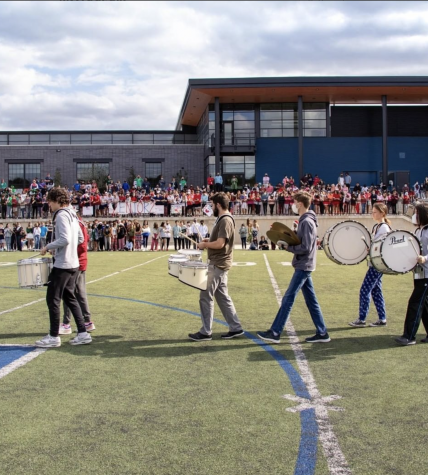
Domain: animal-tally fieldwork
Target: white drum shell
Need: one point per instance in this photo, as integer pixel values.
(343, 243)
(174, 262)
(394, 253)
(194, 274)
(34, 272)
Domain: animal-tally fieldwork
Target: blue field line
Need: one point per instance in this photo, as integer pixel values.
(9, 354)
(307, 456)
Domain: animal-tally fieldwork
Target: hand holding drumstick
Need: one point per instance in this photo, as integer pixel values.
(420, 259)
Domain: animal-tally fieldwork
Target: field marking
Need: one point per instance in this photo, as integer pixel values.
(20, 361)
(335, 459)
(87, 283)
(243, 264)
(306, 458)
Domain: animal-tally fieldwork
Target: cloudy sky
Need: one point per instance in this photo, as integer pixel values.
(125, 65)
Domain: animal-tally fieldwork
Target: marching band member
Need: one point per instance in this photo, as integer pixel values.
(220, 257)
(417, 307)
(372, 284)
(304, 263)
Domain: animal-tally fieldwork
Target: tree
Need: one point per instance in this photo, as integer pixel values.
(98, 174)
(57, 178)
(131, 177)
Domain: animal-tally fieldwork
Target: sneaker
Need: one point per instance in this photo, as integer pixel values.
(64, 329)
(90, 327)
(358, 323)
(424, 340)
(200, 337)
(269, 336)
(378, 323)
(318, 338)
(230, 335)
(81, 339)
(49, 342)
(402, 340)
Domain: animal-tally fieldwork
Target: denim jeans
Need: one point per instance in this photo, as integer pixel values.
(301, 280)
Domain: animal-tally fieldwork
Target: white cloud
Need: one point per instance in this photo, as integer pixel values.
(119, 65)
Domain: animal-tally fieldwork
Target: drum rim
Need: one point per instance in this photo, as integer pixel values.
(195, 264)
(35, 260)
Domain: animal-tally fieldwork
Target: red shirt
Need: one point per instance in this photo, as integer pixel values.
(82, 249)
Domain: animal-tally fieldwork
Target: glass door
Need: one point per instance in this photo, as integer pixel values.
(227, 133)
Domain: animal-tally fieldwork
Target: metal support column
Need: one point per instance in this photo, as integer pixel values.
(384, 141)
(217, 135)
(300, 125)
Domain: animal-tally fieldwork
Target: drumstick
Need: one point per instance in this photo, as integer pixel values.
(364, 239)
(418, 251)
(39, 254)
(190, 239)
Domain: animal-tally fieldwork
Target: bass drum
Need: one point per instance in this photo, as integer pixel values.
(347, 243)
(395, 253)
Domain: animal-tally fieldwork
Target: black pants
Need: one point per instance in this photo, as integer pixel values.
(61, 285)
(195, 237)
(417, 309)
(177, 243)
(244, 242)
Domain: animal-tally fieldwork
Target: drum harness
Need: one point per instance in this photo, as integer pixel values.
(419, 271)
(374, 231)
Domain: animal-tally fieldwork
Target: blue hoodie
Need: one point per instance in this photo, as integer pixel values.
(305, 254)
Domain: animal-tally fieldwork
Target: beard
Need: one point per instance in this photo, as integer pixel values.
(215, 212)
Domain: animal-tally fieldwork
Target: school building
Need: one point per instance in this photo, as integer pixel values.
(371, 127)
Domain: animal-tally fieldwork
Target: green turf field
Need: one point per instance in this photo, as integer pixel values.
(143, 399)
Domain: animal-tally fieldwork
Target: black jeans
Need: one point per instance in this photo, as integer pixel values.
(417, 309)
(61, 285)
(177, 243)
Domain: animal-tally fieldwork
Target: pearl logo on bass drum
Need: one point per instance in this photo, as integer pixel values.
(395, 240)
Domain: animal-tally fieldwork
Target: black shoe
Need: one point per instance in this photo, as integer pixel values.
(230, 335)
(200, 337)
(269, 336)
(402, 340)
(318, 338)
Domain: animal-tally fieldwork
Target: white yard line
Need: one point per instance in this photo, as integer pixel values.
(335, 459)
(20, 361)
(87, 283)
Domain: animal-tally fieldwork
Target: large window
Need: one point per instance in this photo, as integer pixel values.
(22, 174)
(242, 167)
(153, 169)
(281, 120)
(314, 119)
(238, 125)
(89, 171)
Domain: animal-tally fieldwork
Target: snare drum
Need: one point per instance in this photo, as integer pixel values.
(173, 263)
(194, 274)
(191, 254)
(395, 253)
(34, 272)
(347, 243)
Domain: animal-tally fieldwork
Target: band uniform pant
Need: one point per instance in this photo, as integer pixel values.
(417, 309)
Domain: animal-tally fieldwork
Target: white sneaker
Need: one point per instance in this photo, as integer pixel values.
(64, 329)
(81, 339)
(49, 342)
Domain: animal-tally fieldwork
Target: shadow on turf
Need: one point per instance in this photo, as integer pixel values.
(336, 348)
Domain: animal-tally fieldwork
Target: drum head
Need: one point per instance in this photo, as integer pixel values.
(193, 265)
(347, 242)
(400, 250)
(190, 252)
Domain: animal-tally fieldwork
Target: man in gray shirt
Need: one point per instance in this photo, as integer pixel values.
(62, 279)
(304, 262)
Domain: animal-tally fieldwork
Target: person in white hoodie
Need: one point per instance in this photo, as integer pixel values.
(62, 280)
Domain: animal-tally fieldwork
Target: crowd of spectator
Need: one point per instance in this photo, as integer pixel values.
(180, 199)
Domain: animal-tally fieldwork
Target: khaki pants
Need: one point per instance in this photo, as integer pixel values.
(217, 288)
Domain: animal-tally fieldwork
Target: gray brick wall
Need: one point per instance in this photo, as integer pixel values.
(190, 157)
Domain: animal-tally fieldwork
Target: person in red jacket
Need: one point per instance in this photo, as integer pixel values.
(82, 253)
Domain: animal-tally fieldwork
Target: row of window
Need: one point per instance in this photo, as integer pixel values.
(22, 174)
(97, 139)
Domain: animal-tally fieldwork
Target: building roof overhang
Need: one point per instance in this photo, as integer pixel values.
(411, 90)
